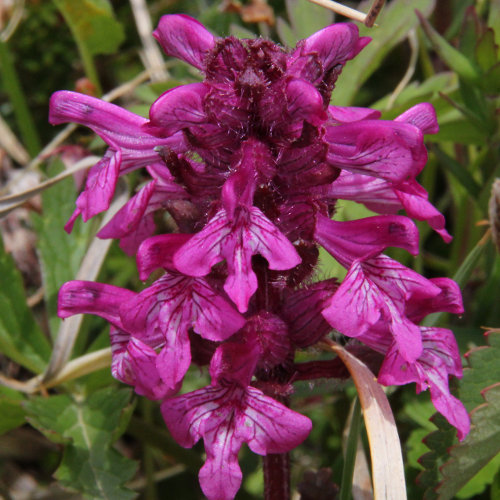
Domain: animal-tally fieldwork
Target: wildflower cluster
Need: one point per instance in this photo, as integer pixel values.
(250, 163)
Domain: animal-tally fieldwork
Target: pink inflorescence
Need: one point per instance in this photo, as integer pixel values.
(249, 164)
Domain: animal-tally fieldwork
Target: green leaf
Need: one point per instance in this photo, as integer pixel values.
(483, 371)
(481, 480)
(60, 253)
(87, 427)
(305, 19)
(21, 339)
(459, 171)
(457, 61)
(461, 131)
(490, 83)
(93, 24)
(479, 390)
(438, 443)
(285, 32)
(11, 410)
(417, 92)
(486, 50)
(394, 22)
(480, 446)
(494, 19)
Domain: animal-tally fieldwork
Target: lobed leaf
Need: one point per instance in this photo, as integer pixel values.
(449, 469)
(481, 446)
(87, 427)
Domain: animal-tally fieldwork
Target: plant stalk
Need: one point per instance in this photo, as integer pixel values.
(17, 97)
(277, 476)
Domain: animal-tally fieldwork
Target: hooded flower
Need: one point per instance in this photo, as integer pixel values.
(229, 413)
(250, 163)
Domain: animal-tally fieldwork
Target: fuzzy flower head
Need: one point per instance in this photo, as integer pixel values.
(250, 163)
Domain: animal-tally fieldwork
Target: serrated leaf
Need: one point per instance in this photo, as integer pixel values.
(394, 22)
(21, 339)
(449, 469)
(10, 409)
(481, 480)
(480, 446)
(93, 24)
(60, 253)
(483, 370)
(438, 443)
(90, 464)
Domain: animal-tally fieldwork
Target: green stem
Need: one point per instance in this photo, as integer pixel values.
(88, 64)
(461, 277)
(350, 452)
(17, 97)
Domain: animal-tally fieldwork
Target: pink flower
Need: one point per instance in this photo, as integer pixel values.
(439, 359)
(129, 146)
(249, 164)
(227, 414)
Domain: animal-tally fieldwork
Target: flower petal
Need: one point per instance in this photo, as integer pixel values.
(143, 365)
(78, 297)
(176, 109)
(365, 238)
(390, 150)
(183, 37)
(440, 357)
(348, 114)
(158, 251)
(422, 116)
(275, 428)
(99, 187)
(330, 47)
(304, 102)
(360, 302)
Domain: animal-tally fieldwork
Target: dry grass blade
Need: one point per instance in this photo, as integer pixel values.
(385, 447)
(341, 9)
(11, 144)
(9, 203)
(374, 12)
(494, 213)
(367, 19)
(151, 55)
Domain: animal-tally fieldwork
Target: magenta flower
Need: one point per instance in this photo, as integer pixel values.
(129, 146)
(249, 164)
(228, 414)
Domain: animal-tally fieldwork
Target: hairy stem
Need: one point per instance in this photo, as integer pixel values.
(277, 476)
